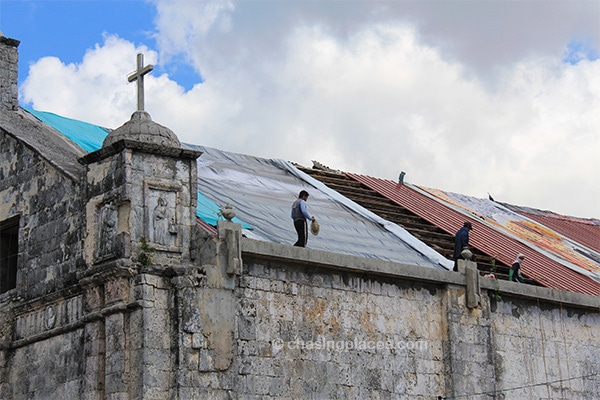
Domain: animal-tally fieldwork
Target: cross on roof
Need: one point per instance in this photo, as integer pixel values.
(138, 76)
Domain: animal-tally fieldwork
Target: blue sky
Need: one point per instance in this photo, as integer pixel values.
(65, 29)
(465, 96)
(581, 49)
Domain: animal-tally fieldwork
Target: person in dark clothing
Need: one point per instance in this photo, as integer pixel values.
(300, 215)
(461, 240)
(514, 274)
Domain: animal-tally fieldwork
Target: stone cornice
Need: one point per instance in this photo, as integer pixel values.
(141, 147)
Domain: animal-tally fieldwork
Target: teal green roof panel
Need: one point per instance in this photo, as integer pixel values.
(210, 212)
(87, 136)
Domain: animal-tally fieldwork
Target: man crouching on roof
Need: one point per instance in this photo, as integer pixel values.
(300, 216)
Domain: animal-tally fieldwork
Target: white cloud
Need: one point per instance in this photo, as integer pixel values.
(376, 100)
(94, 90)
(188, 28)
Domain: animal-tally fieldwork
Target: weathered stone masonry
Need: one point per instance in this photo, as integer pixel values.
(204, 333)
(50, 225)
(528, 336)
(9, 90)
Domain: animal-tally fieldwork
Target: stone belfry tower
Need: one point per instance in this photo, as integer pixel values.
(141, 190)
(140, 195)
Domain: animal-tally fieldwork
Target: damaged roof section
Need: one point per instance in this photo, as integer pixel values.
(261, 191)
(583, 230)
(360, 215)
(518, 230)
(553, 260)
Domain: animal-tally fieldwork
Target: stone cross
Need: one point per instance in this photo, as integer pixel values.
(138, 76)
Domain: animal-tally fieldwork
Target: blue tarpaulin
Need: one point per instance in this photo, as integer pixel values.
(87, 136)
(210, 212)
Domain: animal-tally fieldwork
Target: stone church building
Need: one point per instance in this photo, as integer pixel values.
(110, 288)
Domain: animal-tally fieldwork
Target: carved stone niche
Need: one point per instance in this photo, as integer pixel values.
(110, 230)
(106, 231)
(163, 215)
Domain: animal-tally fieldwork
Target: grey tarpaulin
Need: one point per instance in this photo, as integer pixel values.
(261, 192)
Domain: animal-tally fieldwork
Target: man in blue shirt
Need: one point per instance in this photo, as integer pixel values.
(300, 216)
(461, 240)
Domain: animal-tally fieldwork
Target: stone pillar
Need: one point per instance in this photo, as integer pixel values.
(153, 343)
(206, 306)
(6, 327)
(473, 286)
(9, 71)
(141, 196)
(95, 344)
(470, 362)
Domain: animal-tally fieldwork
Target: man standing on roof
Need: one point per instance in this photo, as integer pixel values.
(514, 274)
(461, 240)
(300, 216)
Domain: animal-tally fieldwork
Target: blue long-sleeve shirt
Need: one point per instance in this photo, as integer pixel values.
(299, 210)
(460, 241)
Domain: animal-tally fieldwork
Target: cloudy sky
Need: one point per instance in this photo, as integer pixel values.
(465, 96)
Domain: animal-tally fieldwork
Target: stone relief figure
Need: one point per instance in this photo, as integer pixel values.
(161, 222)
(108, 229)
(50, 317)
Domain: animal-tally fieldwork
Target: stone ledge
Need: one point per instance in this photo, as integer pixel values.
(349, 263)
(9, 41)
(355, 264)
(538, 293)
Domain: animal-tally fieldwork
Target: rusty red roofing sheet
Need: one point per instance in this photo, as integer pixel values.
(208, 228)
(586, 232)
(537, 266)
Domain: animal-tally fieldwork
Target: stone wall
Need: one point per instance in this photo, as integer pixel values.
(535, 342)
(52, 368)
(310, 324)
(51, 220)
(299, 323)
(338, 335)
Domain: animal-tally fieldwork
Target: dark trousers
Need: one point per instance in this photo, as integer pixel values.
(455, 269)
(302, 230)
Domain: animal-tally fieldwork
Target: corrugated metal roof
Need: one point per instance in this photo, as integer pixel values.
(211, 230)
(584, 231)
(538, 266)
(429, 233)
(537, 236)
